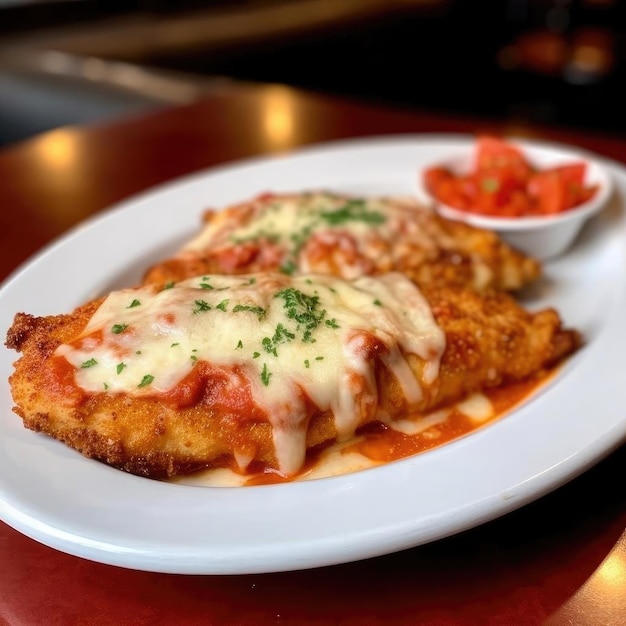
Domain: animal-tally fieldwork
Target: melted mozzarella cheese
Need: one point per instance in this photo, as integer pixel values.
(292, 220)
(287, 335)
(477, 407)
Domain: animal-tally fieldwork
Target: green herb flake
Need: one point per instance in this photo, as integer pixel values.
(265, 375)
(307, 363)
(269, 346)
(303, 309)
(353, 211)
(490, 185)
(222, 305)
(319, 358)
(206, 285)
(257, 310)
(118, 328)
(168, 285)
(239, 345)
(256, 355)
(174, 344)
(133, 304)
(377, 302)
(282, 334)
(120, 367)
(146, 380)
(332, 323)
(201, 306)
(88, 363)
(288, 267)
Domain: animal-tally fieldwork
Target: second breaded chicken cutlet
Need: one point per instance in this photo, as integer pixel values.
(347, 236)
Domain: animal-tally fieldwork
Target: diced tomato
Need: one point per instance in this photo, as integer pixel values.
(494, 189)
(493, 153)
(572, 172)
(451, 192)
(548, 192)
(433, 176)
(444, 185)
(503, 183)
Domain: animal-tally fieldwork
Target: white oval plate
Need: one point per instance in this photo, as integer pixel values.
(80, 506)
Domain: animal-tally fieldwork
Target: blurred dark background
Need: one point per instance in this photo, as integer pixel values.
(557, 62)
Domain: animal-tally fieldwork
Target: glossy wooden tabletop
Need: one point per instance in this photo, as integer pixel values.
(560, 560)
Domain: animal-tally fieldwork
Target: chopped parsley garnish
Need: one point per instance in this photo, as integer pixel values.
(169, 285)
(206, 285)
(301, 237)
(319, 358)
(257, 310)
(174, 344)
(307, 363)
(256, 355)
(106, 386)
(146, 380)
(118, 328)
(303, 309)
(269, 346)
(89, 363)
(265, 375)
(281, 335)
(332, 323)
(239, 345)
(353, 211)
(288, 267)
(201, 305)
(222, 305)
(120, 367)
(133, 304)
(377, 302)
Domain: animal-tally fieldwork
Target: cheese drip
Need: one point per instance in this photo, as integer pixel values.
(293, 339)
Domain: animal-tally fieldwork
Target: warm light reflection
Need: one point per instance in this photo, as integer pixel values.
(58, 165)
(612, 573)
(602, 599)
(278, 117)
(58, 150)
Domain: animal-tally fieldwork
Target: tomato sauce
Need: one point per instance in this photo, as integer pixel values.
(382, 444)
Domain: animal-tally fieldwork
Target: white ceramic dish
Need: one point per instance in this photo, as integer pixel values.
(85, 508)
(544, 237)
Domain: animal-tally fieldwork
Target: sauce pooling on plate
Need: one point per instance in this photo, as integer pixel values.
(379, 443)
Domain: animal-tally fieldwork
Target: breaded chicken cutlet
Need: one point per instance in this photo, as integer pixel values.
(347, 236)
(252, 371)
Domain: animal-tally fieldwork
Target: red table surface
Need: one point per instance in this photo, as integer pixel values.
(559, 560)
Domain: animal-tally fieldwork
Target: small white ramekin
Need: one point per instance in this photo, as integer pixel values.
(542, 237)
